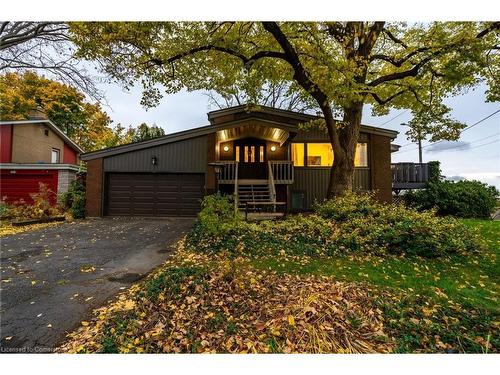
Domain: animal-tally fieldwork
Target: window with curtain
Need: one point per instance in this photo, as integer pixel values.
(298, 154)
(361, 157)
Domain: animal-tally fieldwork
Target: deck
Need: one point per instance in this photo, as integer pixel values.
(407, 176)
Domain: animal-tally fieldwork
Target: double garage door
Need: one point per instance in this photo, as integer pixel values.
(153, 194)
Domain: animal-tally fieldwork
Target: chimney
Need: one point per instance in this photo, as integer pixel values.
(37, 114)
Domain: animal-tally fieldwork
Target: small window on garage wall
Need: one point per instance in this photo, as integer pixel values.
(55, 156)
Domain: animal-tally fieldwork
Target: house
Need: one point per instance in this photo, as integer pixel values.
(35, 151)
(260, 154)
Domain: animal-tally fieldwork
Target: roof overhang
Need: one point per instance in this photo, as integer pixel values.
(39, 166)
(52, 126)
(180, 136)
(289, 129)
(395, 148)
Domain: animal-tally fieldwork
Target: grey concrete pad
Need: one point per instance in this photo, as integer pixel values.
(45, 292)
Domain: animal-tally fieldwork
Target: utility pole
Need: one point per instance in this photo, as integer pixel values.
(419, 140)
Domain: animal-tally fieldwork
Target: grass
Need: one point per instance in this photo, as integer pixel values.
(471, 280)
(199, 302)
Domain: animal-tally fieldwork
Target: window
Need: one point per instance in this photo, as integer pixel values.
(319, 155)
(261, 154)
(54, 156)
(298, 154)
(361, 157)
(237, 150)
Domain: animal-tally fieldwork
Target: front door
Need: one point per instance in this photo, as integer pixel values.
(251, 155)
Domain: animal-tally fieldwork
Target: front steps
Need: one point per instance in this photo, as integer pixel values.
(253, 191)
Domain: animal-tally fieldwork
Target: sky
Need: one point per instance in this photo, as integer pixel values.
(476, 155)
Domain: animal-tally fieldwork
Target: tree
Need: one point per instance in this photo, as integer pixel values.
(43, 46)
(340, 65)
(86, 123)
(272, 94)
(144, 132)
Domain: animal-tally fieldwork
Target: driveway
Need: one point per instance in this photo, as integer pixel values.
(53, 278)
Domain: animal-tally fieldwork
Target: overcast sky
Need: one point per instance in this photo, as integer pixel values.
(475, 156)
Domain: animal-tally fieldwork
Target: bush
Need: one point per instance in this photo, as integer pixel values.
(41, 208)
(74, 199)
(467, 199)
(346, 225)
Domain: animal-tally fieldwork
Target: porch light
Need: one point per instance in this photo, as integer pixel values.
(154, 160)
(273, 148)
(226, 148)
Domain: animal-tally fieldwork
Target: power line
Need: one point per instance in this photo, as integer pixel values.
(477, 140)
(467, 128)
(485, 144)
(395, 117)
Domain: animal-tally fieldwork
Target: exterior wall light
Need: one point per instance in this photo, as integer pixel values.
(273, 148)
(226, 148)
(154, 160)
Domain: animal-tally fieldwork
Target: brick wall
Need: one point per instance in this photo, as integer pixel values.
(65, 176)
(381, 167)
(94, 186)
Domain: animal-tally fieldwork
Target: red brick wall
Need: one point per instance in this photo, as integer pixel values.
(381, 176)
(5, 143)
(94, 186)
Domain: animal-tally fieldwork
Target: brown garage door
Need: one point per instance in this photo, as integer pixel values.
(153, 194)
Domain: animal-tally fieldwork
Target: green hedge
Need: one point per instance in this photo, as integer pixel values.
(354, 224)
(467, 199)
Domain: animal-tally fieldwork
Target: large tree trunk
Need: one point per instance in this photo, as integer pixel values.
(344, 139)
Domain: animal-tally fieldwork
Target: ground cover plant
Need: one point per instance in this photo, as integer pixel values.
(283, 301)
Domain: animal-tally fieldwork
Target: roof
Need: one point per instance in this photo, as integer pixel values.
(52, 126)
(209, 129)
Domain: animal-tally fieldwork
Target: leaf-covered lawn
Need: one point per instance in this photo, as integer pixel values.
(472, 279)
(6, 228)
(215, 303)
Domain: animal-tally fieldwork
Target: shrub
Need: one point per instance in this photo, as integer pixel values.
(347, 207)
(349, 224)
(74, 199)
(467, 199)
(41, 208)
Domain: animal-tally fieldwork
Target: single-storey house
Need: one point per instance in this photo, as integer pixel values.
(35, 151)
(259, 154)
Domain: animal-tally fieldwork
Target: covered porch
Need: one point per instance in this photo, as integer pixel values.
(254, 165)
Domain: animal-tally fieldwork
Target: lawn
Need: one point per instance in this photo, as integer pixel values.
(471, 279)
(200, 302)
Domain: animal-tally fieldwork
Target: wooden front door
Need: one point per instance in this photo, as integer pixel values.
(251, 155)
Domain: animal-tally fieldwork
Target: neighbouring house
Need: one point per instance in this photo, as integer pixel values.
(35, 151)
(259, 155)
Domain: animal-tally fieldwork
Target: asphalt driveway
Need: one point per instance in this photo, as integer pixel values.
(53, 278)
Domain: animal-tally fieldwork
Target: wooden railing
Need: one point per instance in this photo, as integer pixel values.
(229, 172)
(282, 171)
(409, 175)
(272, 188)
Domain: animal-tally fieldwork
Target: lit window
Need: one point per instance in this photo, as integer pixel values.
(361, 157)
(237, 151)
(261, 154)
(298, 154)
(319, 155)
(54, 156)
(252, 154)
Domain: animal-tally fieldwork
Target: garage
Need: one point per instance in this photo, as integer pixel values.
(153, 194)
(17, 184)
